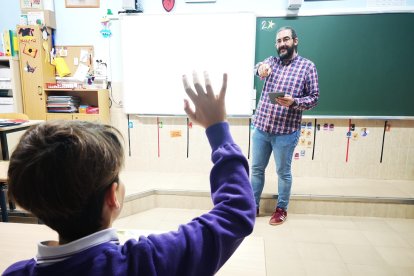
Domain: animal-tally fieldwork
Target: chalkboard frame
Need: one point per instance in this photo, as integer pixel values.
(353, 90)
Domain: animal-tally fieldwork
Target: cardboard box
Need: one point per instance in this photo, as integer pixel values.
(36, 5)
(44, 17)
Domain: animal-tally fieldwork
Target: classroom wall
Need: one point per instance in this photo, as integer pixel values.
(171, 153)
(369, 152)
(82, 26)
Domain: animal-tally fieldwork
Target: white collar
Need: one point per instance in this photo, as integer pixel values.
(51, 254)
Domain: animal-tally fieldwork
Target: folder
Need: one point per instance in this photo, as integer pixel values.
(14, 43)
(61, 67)
(6, 43)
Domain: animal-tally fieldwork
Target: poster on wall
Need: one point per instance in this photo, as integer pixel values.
(82, 3)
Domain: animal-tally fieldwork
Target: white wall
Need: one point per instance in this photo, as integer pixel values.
(82, 26)
(78, 26)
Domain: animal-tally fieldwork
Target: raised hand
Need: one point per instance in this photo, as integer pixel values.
(209, 108)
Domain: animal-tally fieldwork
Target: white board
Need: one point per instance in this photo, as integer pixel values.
(158, 49)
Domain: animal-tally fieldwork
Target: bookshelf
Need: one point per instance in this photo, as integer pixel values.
(91, 97)
(10, 87)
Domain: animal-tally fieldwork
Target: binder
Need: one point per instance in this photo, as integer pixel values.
(14, 43)
(6, 43)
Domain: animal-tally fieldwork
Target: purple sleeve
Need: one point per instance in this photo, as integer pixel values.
(203, 245)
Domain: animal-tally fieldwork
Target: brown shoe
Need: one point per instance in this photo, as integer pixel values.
(257, 212)
(278, 217)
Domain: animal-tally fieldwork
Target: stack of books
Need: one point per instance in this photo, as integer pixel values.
(10, 43)
(11, 122)
(63, 104)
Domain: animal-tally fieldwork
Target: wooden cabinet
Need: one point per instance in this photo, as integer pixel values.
(10, 88)
(91, 97)
(35, 68)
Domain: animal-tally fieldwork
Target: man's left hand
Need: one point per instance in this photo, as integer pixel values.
(285, 101)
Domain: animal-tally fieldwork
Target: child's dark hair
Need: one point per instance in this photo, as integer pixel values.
(60, 171)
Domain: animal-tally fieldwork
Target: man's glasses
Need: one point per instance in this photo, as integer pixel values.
(284, 40)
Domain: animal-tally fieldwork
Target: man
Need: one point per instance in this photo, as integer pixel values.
(277, 126)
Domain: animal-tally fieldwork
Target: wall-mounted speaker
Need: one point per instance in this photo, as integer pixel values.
(132, 5)
(294, 4)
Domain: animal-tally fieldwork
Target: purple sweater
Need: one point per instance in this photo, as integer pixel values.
(199, 247)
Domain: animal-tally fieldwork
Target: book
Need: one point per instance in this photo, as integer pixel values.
(62, 104)
(14, 43)
(6, 43)
(11, 122)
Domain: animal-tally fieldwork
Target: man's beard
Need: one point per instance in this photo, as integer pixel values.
(288, 54)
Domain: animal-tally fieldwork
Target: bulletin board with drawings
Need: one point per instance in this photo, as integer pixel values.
(75, 56)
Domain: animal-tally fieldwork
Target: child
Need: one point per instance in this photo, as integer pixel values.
(67, 174)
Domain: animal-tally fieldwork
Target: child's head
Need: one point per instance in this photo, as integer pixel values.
(60, 171)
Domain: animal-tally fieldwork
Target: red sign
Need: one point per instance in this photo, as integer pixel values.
(168, 4)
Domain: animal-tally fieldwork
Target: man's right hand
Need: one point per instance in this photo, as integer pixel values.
(264, 70)
(209, 108)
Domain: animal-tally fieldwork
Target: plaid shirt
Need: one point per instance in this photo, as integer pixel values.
(298, 79)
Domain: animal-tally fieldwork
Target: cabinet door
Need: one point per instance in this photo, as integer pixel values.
(16, 86)
(103, 100)
(35, 69)
(87, 117)
(59, 116)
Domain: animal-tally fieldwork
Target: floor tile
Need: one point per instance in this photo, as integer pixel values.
(321, 268)
(362, 255)
(373, 224)
(396, 256)
(385, 239)
(337, 222)
(370, 270)
(349, 237)
(320, 252)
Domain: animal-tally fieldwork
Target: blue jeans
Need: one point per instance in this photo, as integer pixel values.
(282, 146)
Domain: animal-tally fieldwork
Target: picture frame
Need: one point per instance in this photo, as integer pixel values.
(82, 3)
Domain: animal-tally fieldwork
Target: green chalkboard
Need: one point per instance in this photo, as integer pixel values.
(365, 62)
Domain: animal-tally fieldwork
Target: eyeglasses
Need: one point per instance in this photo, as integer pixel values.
(284, 40)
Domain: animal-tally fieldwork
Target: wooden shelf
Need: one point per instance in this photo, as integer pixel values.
(92, 97)
(15, 84)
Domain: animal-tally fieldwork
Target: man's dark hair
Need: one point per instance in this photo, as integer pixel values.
(292, 31)
(60, 172)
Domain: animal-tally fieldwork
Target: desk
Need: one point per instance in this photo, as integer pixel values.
(9, 129)
(5, 153)
(4, 166)
(19, 242)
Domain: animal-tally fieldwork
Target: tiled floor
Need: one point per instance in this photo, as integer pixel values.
(312, 244)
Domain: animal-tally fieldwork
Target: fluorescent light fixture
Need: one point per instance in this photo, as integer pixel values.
(200, 1)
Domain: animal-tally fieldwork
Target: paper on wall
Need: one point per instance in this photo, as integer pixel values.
(84, 54)
(81, 72)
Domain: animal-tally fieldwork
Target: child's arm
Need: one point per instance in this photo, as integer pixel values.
(203, 245)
